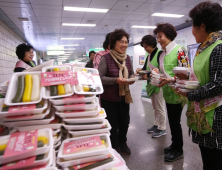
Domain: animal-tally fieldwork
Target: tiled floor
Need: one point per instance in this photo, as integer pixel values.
(147, 152)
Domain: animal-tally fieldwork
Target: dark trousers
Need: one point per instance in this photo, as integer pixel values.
(118, 117)
(212, 158)
(174, 114)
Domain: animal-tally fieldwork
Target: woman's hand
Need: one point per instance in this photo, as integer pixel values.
(181, 93)
(164, 81)
(121, 81)
(131, 82)
(145, 77)
(182, 76)
(139, 69)
(156, 70)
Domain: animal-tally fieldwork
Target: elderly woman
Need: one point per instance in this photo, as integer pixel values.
(25, 55)
(114, 68)
(173, 55)
(204, 112)
(98, 55)
(149, 44)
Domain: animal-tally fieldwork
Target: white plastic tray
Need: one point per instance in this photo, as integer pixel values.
(93, 119)
(69, 100)
(183, 70)
(86, 153)
(81, 160)
(57, 145)
(13, 88)
(185, 90)
(58, 139)
(99, 88)
(56, 131)
(46, 91)
(91, 132)
(42, 150)
(187, 82)
(92, 106)
(84, 127)
(33, 117)
(29, 122)
(78, 114)
(36, 111)
(154, 84)
(132, 79)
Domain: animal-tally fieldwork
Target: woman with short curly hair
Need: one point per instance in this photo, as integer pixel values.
(114, 68)
(204, 114)
(173, 55)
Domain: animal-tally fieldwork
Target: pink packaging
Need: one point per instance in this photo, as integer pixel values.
(14, 109)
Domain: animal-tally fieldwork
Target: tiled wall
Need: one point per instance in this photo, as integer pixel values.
(8, 42)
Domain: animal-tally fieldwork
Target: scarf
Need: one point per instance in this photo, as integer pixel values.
(123, 73)
(212, 38)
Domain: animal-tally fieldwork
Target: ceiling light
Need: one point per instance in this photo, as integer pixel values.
(72, 38)
(70, 45)
(167, 15)
(55, 52)
(66, 52)
(67, 8)
(79, 25)
(23, 19)
(69, 49)
(141, 26)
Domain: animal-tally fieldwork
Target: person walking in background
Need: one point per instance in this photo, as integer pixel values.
(25, 55)
(114, 68)
(98, 55)
(169, 59)
(204, 113)
(89, 64)
(155, 93)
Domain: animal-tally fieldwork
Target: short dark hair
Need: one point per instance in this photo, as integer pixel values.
(117, 35)
(209, 14)
(91, 53)
(149, 40)
(168, 29)
(21, 49)
(106, 42)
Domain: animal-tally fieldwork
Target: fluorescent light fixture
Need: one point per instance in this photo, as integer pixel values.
(72, 38)
(167, 15)
(99, 48)
(52, 48)
(141, 26)
(70, 45)
(79, 25)
(69, 49)
(55, 52)
(68, 8)
(68, 52)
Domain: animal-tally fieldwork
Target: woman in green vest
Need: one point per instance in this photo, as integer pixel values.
(173, 55)
(204, 113)
(149, 44)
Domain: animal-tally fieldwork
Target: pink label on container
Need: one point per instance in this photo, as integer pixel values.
(56, 78)
(21, 108)
(19, 164)
(74, 79)
(75, 105)
(81, 144)
(20, 143)
(38, 167)
(19, 116)
(74, 96)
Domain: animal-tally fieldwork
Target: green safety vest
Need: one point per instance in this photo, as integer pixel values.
(170, 62)
(32, 64)
(201, 66)
(150, 88)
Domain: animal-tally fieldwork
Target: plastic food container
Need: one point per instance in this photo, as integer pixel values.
(132, 79)
(58, 139)
(30, 122)
(81, 106)
(75, 98)
(84, 153)
(57, 145)
(23, 112)
(91, 132)
(78, 89)
(56, 131)
(98, 118)
(187, 82)
(42, 150)
(65, 164)
(156, 81)
(154, 84)
(78, 113)
(46, 91)
(4, 86)
(183, 70)
(189, 87)
(13, 88)
(185, 90)
(86, 126)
